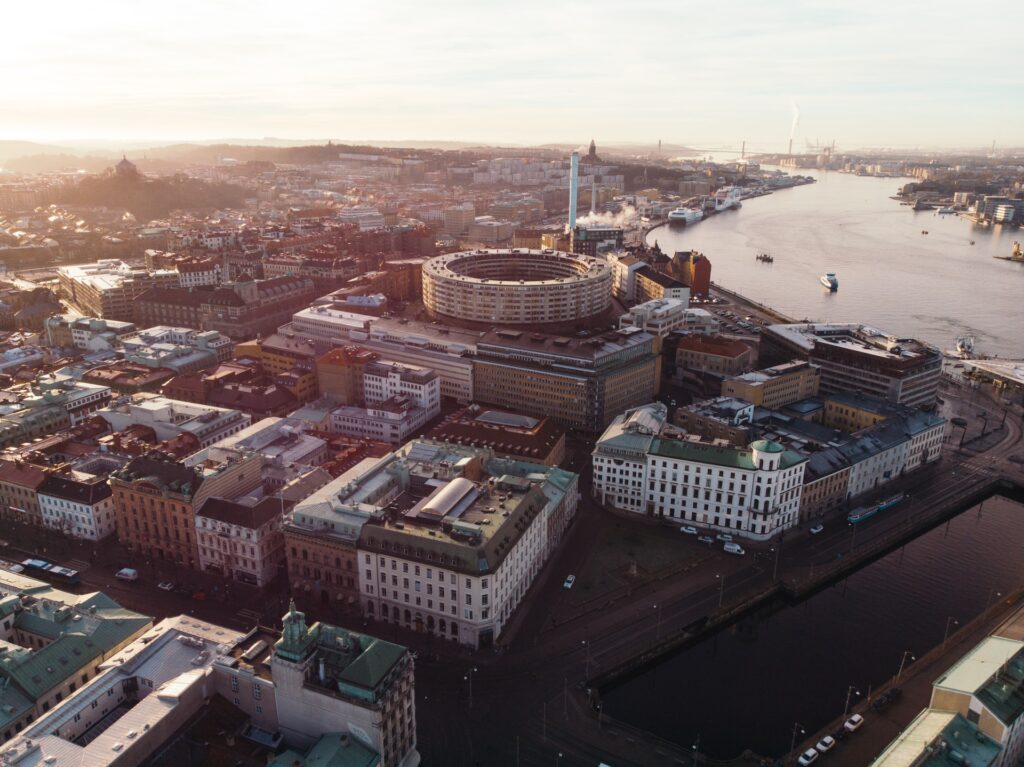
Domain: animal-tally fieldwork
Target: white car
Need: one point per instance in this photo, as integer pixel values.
(166, 586)
(733, 548)
(810, 756)
(727, 537)
(826, 744)
(688, 529)
(853, 723)
(567, 583)
(817, 529)
(127, 574)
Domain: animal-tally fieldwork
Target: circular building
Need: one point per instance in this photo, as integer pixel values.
(546, 288)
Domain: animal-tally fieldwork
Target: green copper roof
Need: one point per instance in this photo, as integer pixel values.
(766, 446)
(332, 750)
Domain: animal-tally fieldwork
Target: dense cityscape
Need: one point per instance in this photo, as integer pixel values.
(489, 452)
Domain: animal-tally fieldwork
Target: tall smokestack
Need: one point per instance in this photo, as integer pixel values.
(791, 147)
(574, 182)
(593, 196)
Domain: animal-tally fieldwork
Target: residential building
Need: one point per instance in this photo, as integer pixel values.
(693, 269)
(393, 420)
(78, 505)
(85, 333)
(860, 358)
(775, 387)
(384, 380)
(241, 541)
(624, 269)
(457, 218)
(19, 491)
(279, 440)
(169, 418)
(182, 350)
(156, 498)
(47, 405)
(53, 644)
(652, 285)
(255, 400)
(751, 492)
(716, 356)
(123, 377)
(339, 373)
(826, 482)
(581, 382)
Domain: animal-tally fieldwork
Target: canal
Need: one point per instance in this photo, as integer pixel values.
(745, 687)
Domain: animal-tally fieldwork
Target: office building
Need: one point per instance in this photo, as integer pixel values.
(581, 382)
(860, 358)
(168, 418)
(716, 356)
(721, 418)
(109, 289)
(663, 316)
(457, 218)
(241, 540)
(652, 285)
(508, 434)
(775, 387)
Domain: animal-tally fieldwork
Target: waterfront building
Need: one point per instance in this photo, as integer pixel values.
(663, 316)
(442, 538)
(624, 269)
(693, 269)
(775, 387)
(751, 492)
(717, 356)
(581, 382)
(109, 289)
(53, 643)
(860, 358)
(169, 418)
(652, 285)
(156, 498)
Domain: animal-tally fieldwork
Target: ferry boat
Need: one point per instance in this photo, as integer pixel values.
(830, 281)
(946, 211)
(727, 197)
(964, 348)
(685, 215)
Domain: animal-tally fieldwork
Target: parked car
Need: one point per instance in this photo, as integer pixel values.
(817, 529)
(733, 548)
(688, 529)
(127, 574)
(567, 583)
(199, 596)
(165, 586)
(706, 539)
(724, 537)
(854, 723)
(810, 756)
(826, 744)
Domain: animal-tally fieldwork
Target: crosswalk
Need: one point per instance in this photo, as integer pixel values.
(79, 564)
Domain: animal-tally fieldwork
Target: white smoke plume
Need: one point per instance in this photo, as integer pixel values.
(796, 120)
(625, 218)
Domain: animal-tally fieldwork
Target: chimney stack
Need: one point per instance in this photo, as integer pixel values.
(574, 180)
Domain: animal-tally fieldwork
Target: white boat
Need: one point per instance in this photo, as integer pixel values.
(686, 215)
(830, 281)
(946, 211)
(727, 197)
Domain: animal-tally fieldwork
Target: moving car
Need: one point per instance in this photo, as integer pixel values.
(688, 529)
(127, 574)
(165, 586)
(810, 756)
(567, 583)
(706, 539)
(733, 548)
(817, 529)
(826, 744)
(724, 537)
(853, 723)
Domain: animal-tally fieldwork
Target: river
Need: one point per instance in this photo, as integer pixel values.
(746, 686)
(934, 286)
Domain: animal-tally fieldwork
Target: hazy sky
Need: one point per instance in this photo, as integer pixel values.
(892, 73)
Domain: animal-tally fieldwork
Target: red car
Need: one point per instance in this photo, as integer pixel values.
(199, 596)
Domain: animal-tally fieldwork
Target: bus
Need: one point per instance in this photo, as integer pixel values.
(63, 575)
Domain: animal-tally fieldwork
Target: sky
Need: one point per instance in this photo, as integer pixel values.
(898, 73)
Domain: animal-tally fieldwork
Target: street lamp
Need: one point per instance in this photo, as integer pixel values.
(797, 729)
(945, 634)
(586, 644)
(721, 589)
(469, 678)
(993, 595)
(851, 690)
(558, 759)
(903, 661)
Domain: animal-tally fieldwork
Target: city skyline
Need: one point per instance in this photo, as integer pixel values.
(859, 74)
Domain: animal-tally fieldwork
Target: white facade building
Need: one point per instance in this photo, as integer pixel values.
(78, 507)
(169, 417)
(383, 380)
(665, 315)
(751, 493)
(241, 541)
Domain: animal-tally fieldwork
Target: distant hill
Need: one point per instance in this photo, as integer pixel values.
(11, 149)
(149, 198)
